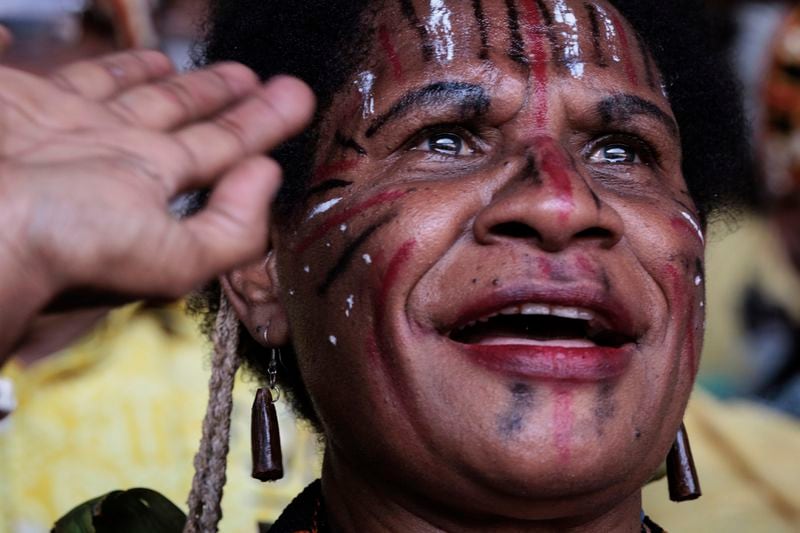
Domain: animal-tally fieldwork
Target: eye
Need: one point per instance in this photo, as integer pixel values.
(444, 143)
(615, 153)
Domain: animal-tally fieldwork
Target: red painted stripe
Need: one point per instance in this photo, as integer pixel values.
(682, 301)
(563, 421)
(538, 49)
(627, 60)
(341, 218)
(683, 226)
(325, 171)
(386, 43)
(553, 163)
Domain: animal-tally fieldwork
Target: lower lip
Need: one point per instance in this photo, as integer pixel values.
(561, 363)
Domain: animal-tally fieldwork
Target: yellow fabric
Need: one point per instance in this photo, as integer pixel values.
(747, 460)
(750, 254)
(123, 408)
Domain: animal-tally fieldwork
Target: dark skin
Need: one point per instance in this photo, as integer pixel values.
(533, 164)
(89, 160)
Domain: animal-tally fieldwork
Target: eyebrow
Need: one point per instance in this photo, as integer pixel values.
(621, 107)
(472, 100)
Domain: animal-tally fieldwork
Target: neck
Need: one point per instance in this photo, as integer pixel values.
(356, 502)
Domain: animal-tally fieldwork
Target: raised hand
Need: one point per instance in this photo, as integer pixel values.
(91, 157)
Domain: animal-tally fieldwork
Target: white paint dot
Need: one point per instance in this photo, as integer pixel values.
(306, 269)
(332, 340)
(367, 259)
(343, 228)
(327, 245)
(291, 292)
(698, 280)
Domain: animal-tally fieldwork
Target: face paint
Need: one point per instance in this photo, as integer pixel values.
(332, 339)
(610, 33)
(350, 301)
(695, 226)
(689, 225)
(365, 83)
(385, 41)
(630, 68)
(345, 217)
(570, 45)
(367, 259)
(349, 253)
(554, 165)
(563, 420)
(322, 208)
(483, 28)
(511, 422)
(606, 408)
(407, 7)
(440, 31)
(599, 53)
(516, 49)
(538, 53)
(325, 171)
(681, 300)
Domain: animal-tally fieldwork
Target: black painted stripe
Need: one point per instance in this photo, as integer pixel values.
(516, 50)
(599, 53)
(483, 28)
(410, 13)
(349, 254)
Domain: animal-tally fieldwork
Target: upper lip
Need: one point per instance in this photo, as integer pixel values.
(587, 302)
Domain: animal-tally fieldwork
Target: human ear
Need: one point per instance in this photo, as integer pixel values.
(253, 292)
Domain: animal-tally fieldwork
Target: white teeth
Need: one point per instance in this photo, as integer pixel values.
(536, 309)
(572, 312)
(539, 309)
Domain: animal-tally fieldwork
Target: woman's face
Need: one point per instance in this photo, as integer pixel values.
(495, 285)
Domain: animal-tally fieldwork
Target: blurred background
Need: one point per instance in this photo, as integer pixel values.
(122, 407)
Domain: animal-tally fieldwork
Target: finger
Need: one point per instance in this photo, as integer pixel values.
(101, 78)
(232, 228)
(182, 98)
(272, 115)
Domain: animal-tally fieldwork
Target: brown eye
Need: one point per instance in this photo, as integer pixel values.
(444, 143)
(616, 153)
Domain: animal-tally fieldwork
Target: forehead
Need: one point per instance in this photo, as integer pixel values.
(571, 37)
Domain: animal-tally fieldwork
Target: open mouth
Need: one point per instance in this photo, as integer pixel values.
(541, 325)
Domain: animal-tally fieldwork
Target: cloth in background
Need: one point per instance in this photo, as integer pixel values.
(123, 408)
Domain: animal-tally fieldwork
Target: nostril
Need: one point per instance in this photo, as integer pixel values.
(516, 230)
(593, 233)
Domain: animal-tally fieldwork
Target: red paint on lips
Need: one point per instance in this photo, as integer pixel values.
(558, 363)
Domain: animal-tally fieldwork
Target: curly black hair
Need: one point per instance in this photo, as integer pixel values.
(315, 39)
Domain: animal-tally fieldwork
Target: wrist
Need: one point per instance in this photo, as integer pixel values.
(25, 287)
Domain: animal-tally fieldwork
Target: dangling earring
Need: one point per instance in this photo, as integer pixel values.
(265, 437)
(684, 484)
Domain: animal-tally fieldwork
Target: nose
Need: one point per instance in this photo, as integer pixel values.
(548, 204)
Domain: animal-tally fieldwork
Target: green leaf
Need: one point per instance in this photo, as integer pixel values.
(131, 511)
